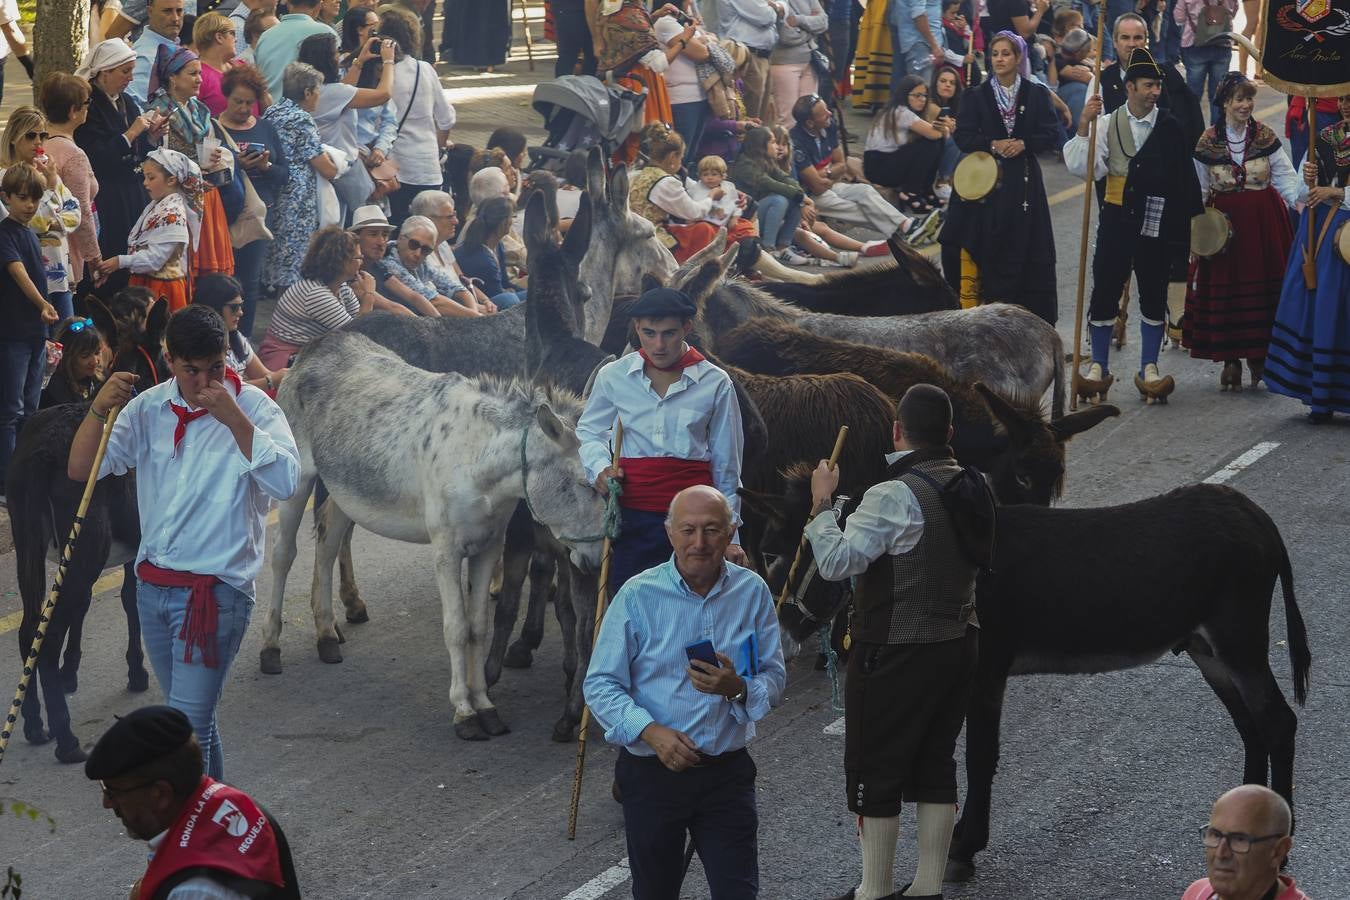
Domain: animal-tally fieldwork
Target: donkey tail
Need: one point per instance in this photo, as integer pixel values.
(1057, 400)
(1300, 657)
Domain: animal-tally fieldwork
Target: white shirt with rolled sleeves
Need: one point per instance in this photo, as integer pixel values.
(204, 507)
(888, 521)
(1075, 151)
(698, 418)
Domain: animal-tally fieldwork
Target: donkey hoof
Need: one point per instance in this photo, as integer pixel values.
(564, 731)
(959, 870)
(138, 680)
(70, 679)
(470, 730)
(269, 660)
(36, 736)
(491, 721)
(328, 650)
(359, 617)
(518, 656)
(69, 754)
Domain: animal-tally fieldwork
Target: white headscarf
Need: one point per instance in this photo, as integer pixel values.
(189, 178)
(107, 55)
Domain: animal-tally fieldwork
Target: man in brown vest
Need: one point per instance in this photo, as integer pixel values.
(914, 644)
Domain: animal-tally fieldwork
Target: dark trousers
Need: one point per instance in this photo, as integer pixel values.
(401, 199)
(642, 544)
(689, 120)
(911, 168)
(574, 37)
(1121, 249)
(713, 803)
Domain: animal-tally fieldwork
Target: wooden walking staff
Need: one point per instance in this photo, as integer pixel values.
(601, 601)
(30, 664)
(1088, 182)
(801, 546)
(1310, 248)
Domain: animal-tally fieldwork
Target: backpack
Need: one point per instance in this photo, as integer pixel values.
(1212, 25)
(969, 500)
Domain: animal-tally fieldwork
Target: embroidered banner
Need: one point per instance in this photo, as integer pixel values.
(1306, 46)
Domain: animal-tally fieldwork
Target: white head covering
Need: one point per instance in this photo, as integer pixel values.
(189, 178)
(107, 55)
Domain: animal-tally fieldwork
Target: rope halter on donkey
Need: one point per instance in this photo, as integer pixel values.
(610, 525)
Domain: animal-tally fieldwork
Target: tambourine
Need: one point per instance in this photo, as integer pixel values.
(1211, 232)
(977, 176)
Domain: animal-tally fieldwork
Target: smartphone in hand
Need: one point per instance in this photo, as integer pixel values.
(703, 650)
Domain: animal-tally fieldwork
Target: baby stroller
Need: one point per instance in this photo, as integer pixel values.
(580, 112)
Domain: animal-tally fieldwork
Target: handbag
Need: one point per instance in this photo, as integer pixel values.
(385, 175)
(1212, 25)
(250, 223)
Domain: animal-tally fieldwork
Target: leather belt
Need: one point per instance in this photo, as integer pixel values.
(762, 54)
(721, 759)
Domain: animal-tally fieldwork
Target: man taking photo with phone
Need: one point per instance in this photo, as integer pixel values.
(684, 723)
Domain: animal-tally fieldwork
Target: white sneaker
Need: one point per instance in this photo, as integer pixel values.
(791, 257)
(924, 230)
(943, 192)
(846, 259)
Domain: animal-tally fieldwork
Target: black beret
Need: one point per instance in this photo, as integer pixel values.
(658, 303)
(137, 738)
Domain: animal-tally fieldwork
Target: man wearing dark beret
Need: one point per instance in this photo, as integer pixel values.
(208, 841)
(681, 427)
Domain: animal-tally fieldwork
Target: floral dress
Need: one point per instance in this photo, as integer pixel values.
(295, 215)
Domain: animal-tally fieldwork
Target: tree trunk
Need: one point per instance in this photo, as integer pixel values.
(60, 37)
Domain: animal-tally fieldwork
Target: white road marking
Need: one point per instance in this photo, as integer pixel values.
(603, 883)
(1244, 461)
(835, 727)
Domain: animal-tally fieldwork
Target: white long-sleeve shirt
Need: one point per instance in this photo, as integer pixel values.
(1282, 175)
(697, 419)
(888, 521)
(1075, 151)
(669, 194)
(203, 508)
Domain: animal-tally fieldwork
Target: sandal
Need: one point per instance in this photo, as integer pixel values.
(913, 205)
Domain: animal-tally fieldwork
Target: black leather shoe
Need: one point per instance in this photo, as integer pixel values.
(898, 895)
(849, 895)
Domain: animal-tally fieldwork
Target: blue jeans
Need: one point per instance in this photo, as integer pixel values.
(1207, 64)
(951, 155)
(190, 686)
(1168, 50)
(64, 301)
(898, 68)
(248, 265)
(689, 121)
(20, 389)
(1074, 95)
(508, 299)
(778, 221)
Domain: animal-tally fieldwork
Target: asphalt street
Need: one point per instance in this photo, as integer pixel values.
(1103, 783)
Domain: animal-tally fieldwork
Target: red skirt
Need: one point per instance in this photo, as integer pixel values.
(177, 291)
(690, 238)
(1231, 298)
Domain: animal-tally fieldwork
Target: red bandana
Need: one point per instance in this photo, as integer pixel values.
(185, 415)
(691, 356)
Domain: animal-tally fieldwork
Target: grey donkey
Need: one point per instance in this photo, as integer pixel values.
(441, 459)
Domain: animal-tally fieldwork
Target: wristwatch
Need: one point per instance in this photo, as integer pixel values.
(740, 695)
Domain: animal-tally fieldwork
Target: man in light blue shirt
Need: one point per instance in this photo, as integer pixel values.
(921, 42)
(684, 723)
(753, 23)
(164, 22)
(279, 46)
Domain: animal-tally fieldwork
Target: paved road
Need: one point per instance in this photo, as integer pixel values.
(1104, 779)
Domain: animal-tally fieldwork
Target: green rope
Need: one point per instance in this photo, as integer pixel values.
(831, 667)
(611, 524)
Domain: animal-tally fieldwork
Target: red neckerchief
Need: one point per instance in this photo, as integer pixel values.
(691, 356)
(185, 415)
(220, 828)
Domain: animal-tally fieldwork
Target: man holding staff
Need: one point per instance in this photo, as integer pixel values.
(683, 721)
(681, 426)
(210, 455)
(1151, 196)
(914, 643)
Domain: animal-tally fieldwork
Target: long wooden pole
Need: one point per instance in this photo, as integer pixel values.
(1310, 248)
(801, 545)
(601, 601)
(1088, 182)
(49, 607)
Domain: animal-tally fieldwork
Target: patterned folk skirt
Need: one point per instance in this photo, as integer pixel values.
(1231, 298)
(872, 60)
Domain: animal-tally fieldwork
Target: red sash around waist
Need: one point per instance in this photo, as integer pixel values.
(651, 482)
(199, 625)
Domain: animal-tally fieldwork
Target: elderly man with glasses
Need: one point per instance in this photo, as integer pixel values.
(412, 281)
(1246, 842)
(439, 207)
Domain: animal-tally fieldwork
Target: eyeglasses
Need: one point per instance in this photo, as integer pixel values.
(450, 215)
(37, 135)
(417, 246)
(920, 94)
(237, 306)
(114, 793)
(1237, 841)
(79, 325)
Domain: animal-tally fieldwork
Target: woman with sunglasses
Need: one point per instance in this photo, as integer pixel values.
(225, 295)
(331, 292)
(78, 375)
(409, 279)
(58, 213)
(65, 100)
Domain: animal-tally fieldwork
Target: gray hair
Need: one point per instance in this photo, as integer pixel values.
(427, 202)
(298, 79)
(416, 223)
(488, 183)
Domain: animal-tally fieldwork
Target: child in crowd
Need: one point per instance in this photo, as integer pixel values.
(823, 243)
(24, 310)
(78, 375)
(167, 231)
(960, 38)
(712, 184)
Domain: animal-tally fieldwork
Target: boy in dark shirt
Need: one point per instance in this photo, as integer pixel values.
(24, 310)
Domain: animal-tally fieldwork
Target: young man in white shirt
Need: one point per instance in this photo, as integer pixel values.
(681, 425)
(210, 454)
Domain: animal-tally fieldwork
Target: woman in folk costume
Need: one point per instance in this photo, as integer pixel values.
(872, 59)
(1310, 346)
(1231, 297)
(163, 237)
(175, 80)
(1002, 248)
(626, 44)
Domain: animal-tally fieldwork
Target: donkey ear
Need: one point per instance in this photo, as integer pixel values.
(1066, 427)
(578, 237)
(104, 320)
(649, 282)
(595, 373)
(595, 174)
(536, 221)
(1008, 416)
(157, 320)
(618, 192)
(771, 507)
(704, 280)
(554, 428)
